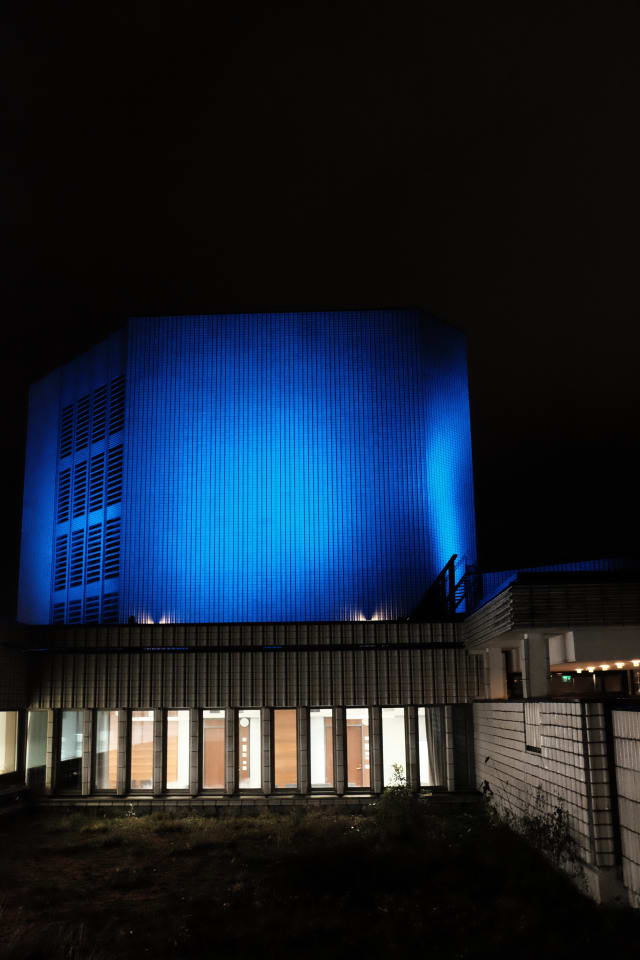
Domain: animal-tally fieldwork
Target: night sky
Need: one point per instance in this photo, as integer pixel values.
(482, 163)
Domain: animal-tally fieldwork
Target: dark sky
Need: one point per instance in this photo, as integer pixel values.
(483, 163)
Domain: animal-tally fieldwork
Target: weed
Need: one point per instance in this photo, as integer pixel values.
(396, 812)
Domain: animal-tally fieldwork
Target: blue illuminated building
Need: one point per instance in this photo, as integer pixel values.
(250, 467)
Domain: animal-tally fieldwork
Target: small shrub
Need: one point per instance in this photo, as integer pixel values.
(397, 809)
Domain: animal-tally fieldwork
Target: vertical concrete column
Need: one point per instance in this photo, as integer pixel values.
(159, 740)
(304, 760)
(122, 782)
(195, 752)
(267, 750)
(496, 674)
(87, 751)
(411, 741)
(534, 659)
(339, 755)
(375, 748)
(53, 746)
(230, 751)
(448, 748)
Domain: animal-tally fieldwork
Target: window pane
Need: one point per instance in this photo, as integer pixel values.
(106, 749)
(142, 749)
(431, 753)
(249, 751)
(285, 749)
(393, 745)
(70, 769)
(213, 749)
(358, 764)
(8, 741)
(36, 748)
(177, 749)
(321, 745)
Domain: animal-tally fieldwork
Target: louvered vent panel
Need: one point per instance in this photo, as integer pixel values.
(66, 431)
(94, 552)
(58, 613)
(64, 495)
(60, 574)
(80, 489)
(116, 405)
(112, 549)
(82, 424)
(99, 414)
(77, 558)
(92, 610)
(114, 476)
(110, 608)
(75, 611)
(96, 482)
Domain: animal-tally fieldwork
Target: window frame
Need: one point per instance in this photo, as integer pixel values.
(324, 790)
(362, 789)
(212, 791)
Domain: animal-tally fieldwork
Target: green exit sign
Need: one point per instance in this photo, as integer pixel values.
(567, 677)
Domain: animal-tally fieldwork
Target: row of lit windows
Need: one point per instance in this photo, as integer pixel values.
(214, 729)
(91, 418)
(89, 486)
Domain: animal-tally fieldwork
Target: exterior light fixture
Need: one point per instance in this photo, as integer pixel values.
(619, 664)
(590, 669)
(579, 670)
(604, 666)
(636, 663)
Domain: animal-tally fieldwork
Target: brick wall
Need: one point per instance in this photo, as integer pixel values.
(569, 768)
(626, 730)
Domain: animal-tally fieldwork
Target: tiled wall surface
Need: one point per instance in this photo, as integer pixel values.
(570, 770)
(626, 730)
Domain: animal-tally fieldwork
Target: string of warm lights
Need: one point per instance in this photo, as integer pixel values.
(620, 664)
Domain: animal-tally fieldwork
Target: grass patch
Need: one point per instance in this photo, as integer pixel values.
(313, 884)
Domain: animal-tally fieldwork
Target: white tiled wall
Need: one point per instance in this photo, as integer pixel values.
(626, 731)
(571, 767)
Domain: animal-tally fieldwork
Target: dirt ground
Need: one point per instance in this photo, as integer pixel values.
(447, 884)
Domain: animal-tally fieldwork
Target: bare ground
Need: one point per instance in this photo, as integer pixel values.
(446, 884)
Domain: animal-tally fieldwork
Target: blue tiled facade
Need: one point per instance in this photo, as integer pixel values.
(266, 467)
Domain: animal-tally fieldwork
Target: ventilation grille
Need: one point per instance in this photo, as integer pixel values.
(99, 414)
(80, 489)
(77, 558)
(60, 570)
(114, 476)
(96, 483)
(66, 431)
(64, 495)
(58, 613)
(110, 608)
(75, 611)
(92, 610)
(112, 549)
(116, 406)
(91, 554)
(94, 553)
(82, 424)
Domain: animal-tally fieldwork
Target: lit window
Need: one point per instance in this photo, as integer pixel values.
(177, 749)
(431, 753)
(321, 746)
(142, 749)
(106, 749)
(249, 752)
(285, 750)
(394, 755)
(70, 769)
(8, 741)
(358, 762)
(213, 749)
(36, 748)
